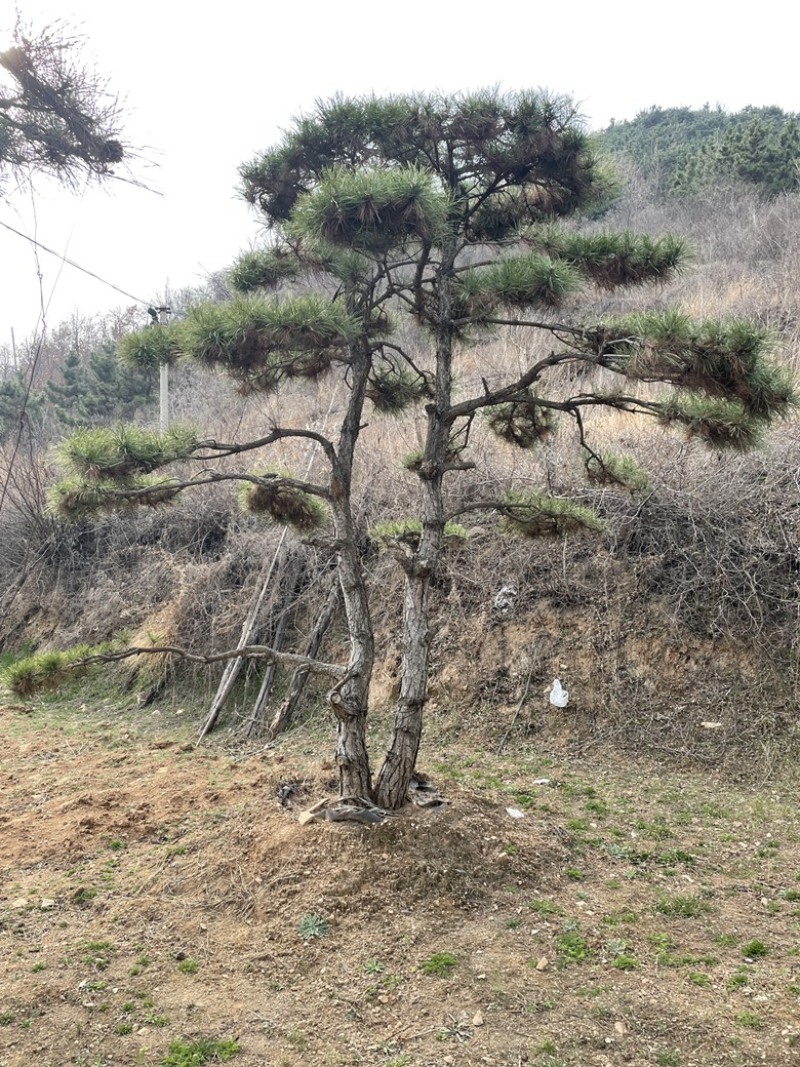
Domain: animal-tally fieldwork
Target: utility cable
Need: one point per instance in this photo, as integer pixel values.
(72, 263)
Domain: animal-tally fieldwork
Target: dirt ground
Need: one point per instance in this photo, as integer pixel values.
(556, 912)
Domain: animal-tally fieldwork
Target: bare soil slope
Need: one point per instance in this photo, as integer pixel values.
(154, 893)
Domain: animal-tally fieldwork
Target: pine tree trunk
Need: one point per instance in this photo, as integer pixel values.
(401, 755)
(349, 699)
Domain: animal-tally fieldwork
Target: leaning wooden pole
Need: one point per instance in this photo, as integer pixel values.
(285, 713)
(292, 587)
(231, 672)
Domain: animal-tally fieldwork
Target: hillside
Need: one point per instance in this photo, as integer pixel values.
(564, 907)
(616, 882)
(689, 152)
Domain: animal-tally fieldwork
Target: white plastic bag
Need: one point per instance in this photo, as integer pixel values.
(559, 697)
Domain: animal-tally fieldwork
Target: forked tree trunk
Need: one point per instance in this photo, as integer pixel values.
(401, 756)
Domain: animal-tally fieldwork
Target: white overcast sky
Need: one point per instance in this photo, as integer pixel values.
(206, 87)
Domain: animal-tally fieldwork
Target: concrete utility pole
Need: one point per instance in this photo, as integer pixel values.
(163, 380)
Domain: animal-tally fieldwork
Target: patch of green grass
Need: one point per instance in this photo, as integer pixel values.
(577, 824)
(726, 940)
(573, 946)
(668, 1058)
(440, 964)
(624, 962)
(683, 906)
(674, 856)
(544, 907)
(313, 926)
(749, 1020)
(124, 1028)
(198, 1052)
(618, 918)
(83, 896)
(574, 874)
(699, 979)
(298, 1040)
(188, 966)
(7, 1018)
(754, 950)
(157, 1020)
(737, 981)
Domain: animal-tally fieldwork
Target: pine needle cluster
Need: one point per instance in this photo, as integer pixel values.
(609, 468)
(611, 260)
(117, 454)
(374, 210)
(536, 514)
(264, 269)
(270, 493)
(393, 388)
(263, 342)
(519, 282)
(524, 423)
(408, 532)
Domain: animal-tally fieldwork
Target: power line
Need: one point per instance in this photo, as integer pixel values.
(72, 263)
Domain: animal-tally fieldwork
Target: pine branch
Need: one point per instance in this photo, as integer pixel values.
(288, 659)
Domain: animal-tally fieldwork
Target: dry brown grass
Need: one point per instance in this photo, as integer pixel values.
(690, 601)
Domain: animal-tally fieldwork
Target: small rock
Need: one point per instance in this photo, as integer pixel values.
(477, 1018)
(543, 964)
(46, 903)
(20, 902)
(620, 1028)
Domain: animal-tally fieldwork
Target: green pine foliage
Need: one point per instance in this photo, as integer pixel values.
(262, 342)
(151, 348)
(611, 260)
(103, 390)
(537, 514)
(264, 269)
(123, 452)
(687, 152)
(525, 138)
(608, 468)
(393, 533)
(728, 359)
(521, 282)
(20, 407)
(74, 498)
(719, 423)
(372, 211)
(42, 671)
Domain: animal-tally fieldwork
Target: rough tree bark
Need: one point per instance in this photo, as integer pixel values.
(401, 755)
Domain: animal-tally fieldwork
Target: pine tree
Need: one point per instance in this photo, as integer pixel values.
(68, 395)
(445, 210)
